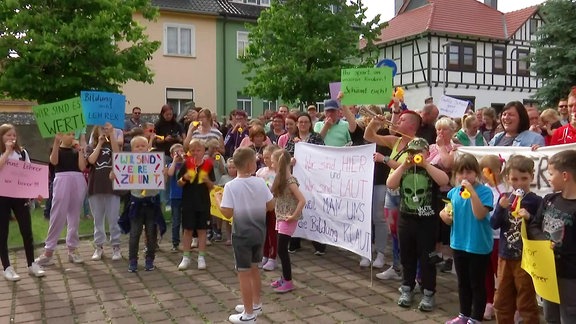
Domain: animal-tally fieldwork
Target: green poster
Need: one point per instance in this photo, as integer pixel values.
(59, 117)
(367, 86)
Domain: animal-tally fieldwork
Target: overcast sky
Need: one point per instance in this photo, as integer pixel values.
(386, 7)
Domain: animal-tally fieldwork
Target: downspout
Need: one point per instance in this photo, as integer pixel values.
(224, 113)
(429, 65)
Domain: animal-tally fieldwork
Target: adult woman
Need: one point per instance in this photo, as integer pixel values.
(258, 138)
(469, 135)
(304, 133)
(277, 128)
(204, 129)
(516, 126)
(188, 117)
(490, 123)
(168, 131)
(291, 129)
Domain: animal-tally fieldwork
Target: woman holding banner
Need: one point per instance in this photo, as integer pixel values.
(516, 124)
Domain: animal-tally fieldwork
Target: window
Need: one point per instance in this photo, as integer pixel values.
(179, 99)
(244, 102)
(523, 63)
(179, 40)
(334, 9)
(499, 60)
(265, 3)
(270, 105)
(252, 1)
(533, 26)
(462, 57)
(241, 43)
(320, 106)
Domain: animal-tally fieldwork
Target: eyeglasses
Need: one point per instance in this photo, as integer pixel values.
(136, 113)
(563, 106)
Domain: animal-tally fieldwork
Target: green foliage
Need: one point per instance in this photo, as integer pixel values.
(555, 51)
(50, 50)
(299, 46)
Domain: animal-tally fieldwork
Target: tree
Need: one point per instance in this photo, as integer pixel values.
(50, 50)
(555, 51)
(299, 46)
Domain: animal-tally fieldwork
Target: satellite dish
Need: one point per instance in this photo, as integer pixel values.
(388, 63)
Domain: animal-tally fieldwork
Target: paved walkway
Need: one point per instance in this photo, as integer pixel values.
(330, 289)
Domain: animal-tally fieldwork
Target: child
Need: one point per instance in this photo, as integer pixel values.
(417, 226)
(104, 202)
(491, 166)
(68, 196)
(223, 181)
(515, 288)
(11, 150)
(289, 205)
(470, 237)
(196, 178)
(213, 152)
(268, 173)
(247, 198)
(555, 222)
(177, 152)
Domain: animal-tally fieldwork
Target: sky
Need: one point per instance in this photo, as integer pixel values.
(386, 7)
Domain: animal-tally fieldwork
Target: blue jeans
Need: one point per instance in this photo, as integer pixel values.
(176, 205)
(391, 206)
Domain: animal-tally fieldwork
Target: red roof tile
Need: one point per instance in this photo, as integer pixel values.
(515, 19)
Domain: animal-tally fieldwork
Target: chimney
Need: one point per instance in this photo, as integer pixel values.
(397, 5)
(492, 3)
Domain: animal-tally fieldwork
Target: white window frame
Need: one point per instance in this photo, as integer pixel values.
(254, 2)
(265, 3)
(180, 96)
(180, 27)
(242, 42)
(269, 105)
(241, 101)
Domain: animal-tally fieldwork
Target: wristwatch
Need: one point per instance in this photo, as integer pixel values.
(385, 159)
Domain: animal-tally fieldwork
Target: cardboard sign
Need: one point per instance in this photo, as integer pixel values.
(101, 107)
(367, 86)
(19, 179)
(59, 117)
(334, 89)
(138, 171)
(452, 107)
(337, 184)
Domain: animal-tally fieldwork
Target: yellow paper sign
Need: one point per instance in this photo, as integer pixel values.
(215, 204)
(538, 261)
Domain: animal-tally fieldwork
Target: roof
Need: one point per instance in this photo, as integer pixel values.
(240, 10)
(455, 17)
(206, 7)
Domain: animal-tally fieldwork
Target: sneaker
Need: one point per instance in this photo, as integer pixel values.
(292, 251)
(10, 274)
(277, 283)
(447, 266)
(318, 253)
(390, 274)
(270, 265)
(263, 262)
(133, 266)
(242, 318)
(208, 242)
(406, 297)
(473, 321)
(256, 309)
(460, 319)
(201, 263)
(174, 248)
(36, 270)
(116, 254)
(427, 302)
(184, 264)
(149, 265)
(194, 243)
(379, 262)
(218, 237)
(44, 260)
(365, 262)
(285, 287)
(97, 256)
(74, 257)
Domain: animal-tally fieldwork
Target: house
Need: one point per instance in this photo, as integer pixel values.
(461, 48)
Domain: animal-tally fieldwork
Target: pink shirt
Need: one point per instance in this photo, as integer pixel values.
(247, 142)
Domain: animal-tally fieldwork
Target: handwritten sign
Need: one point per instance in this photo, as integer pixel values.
(337, 184)
(138, 171)
(59, 117)
(19, 179)
(541, 183)
(101, 107)
(367, 86)
(452, 107)
(334, 89)
(538, 261)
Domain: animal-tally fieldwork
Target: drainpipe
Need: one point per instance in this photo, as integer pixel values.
(224, 113)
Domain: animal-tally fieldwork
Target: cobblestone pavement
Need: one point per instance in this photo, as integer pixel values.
(329, 289)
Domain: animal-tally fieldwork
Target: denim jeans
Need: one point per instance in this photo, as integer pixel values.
(391, 207)
(176, 206)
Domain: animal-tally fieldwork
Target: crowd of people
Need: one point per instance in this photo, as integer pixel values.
(416, 166)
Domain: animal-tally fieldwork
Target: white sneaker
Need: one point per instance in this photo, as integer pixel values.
(270, 265)
(184, 264)
(97, 256)
(263, 262)
(36, 270)
(390, 274)
(364, 262)
(116, 254)
(74, 257)
(44, 260)
(379, 262)
(201, 263)
(194, 243)
(10, 274)
(257, 309)
(242, 318)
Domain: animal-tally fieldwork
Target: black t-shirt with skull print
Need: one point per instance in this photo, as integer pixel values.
(99, 176)
(418, 193)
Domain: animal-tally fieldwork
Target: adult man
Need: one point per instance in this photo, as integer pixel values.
(283, 110)
(567, 133)
(427, 129)
(534, 117)
(563, 111)
(333, 130)
(129, 126)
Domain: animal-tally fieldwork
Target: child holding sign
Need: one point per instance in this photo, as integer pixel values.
(11, 150)
(555, 222)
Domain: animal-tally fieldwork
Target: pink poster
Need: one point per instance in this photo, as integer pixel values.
(19, 179)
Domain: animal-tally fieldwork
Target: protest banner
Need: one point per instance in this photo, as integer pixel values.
(337, 184)
(538, 261)
(367, 86)
(541, 184)
(19, 179)
(101, 107)
(138, 171)
(334, 89)
(59, 117)
(452, 107)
